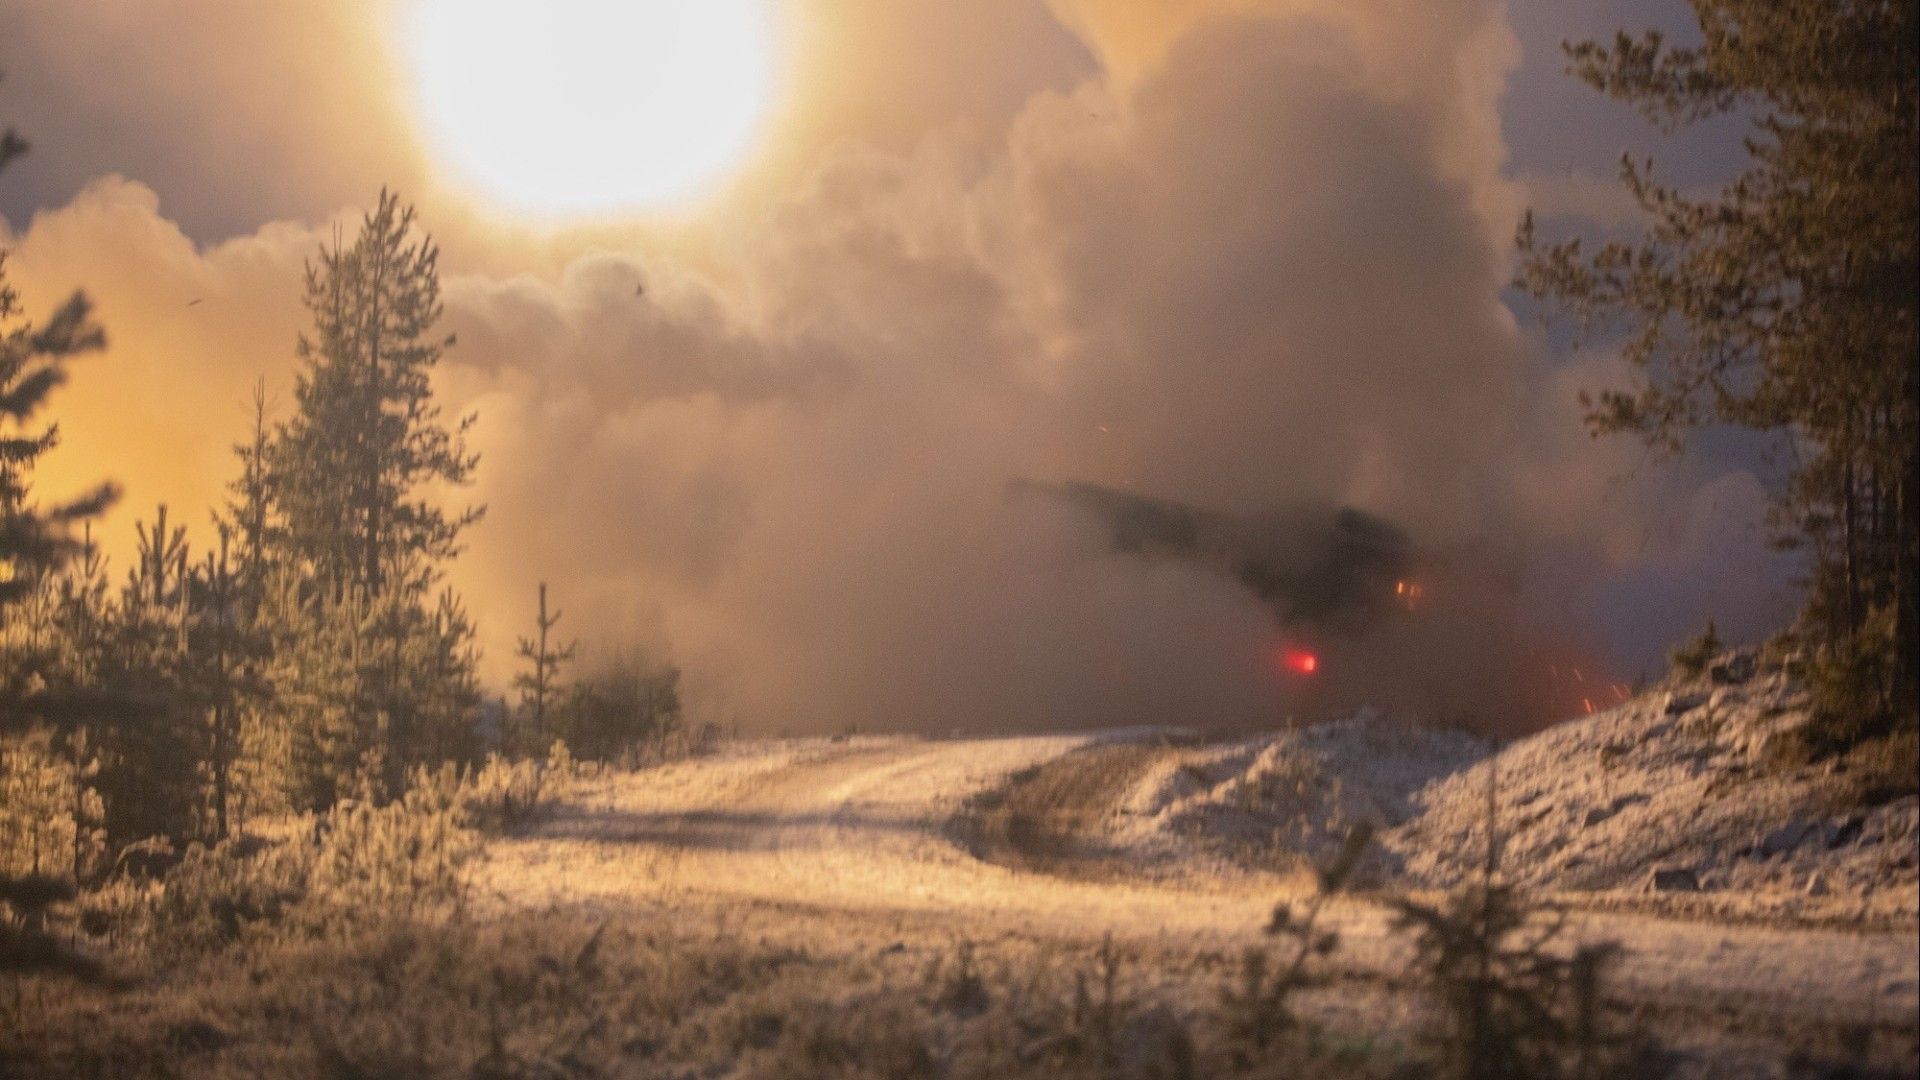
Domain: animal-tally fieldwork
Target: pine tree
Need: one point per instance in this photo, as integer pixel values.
(1789, 301)
(225, 655)
(449, 692)
(539, 684)
(367, 437)
(308, 743)
(244, 764)
(250, 515)
(35, 541)
(373, 678)
(82, 629)
(149, 753)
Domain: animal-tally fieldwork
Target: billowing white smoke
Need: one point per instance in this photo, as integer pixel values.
(1257, 262)
(1245, 278)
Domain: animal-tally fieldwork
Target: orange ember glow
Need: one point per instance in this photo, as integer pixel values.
(1300, 661)
(1409, 593)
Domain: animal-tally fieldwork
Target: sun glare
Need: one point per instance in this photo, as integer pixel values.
(580, 108)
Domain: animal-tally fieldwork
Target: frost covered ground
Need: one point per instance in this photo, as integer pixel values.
(899, 847)
(1675, 802)
(1678, 801)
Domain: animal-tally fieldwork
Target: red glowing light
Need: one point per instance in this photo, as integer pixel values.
(1300, 661)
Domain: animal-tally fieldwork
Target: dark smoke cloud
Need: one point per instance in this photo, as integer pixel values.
(1331, 568)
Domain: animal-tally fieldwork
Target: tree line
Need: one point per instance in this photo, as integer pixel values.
(310, 649)
(1788, 302)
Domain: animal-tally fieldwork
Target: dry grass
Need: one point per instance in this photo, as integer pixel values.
(557, 996)
(347, 951)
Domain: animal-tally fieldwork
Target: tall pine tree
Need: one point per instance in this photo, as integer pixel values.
(373, 675)
(1787, 302)
(367, 439)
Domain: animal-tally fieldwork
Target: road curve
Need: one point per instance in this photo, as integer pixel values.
(856, 834)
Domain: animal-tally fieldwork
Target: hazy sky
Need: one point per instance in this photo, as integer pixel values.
(1235, 252)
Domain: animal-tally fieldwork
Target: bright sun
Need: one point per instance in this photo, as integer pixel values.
(587, 107)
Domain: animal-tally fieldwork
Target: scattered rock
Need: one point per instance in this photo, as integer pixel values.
(1726, 697)
(1737, 667)
(1773, 740)
(1186, 782)
(1786, 837)
(1673, 879)
(1848, 832)
(1678, 703)
(1601, 813)
(1746, 831)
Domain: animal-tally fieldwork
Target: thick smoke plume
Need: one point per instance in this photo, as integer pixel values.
(1254, 260)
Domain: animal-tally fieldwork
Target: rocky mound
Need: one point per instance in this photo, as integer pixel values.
(1287, 800)
(1685, 798)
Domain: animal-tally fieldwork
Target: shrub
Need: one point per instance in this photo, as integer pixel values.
(1691, 658)
(1850, 681)
(509, 794)
(1258, 1011)
(1507, 1005)
(357, 864)
(49, 816)
(624, 704)
(26, 945)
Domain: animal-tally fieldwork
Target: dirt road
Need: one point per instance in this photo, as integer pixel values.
(856, 840)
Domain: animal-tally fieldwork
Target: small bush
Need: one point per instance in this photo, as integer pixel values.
(624, 704)
(1507, 1005)
(357, 864)
(49, 816)
(1875, 771)
(1851, 684)
(216, 894)
(510, 794)
(1258, 1009)
(1691, 658)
